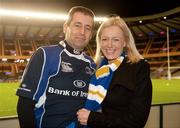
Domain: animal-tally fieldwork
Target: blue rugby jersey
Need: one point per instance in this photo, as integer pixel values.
(57, 78)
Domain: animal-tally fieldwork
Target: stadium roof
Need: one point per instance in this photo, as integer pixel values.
(142, 27)
(146, 18)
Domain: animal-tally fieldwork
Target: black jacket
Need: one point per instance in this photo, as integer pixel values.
(128, 100)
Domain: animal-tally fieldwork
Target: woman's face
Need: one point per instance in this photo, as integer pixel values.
(112, 42)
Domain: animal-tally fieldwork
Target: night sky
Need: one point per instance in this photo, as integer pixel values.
(124, 8)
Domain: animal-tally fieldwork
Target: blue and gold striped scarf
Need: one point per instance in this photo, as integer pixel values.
(100, 82)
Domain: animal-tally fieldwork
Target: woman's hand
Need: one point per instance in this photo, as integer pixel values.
(83, 115)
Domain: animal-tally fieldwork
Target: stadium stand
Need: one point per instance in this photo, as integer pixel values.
(20, 37)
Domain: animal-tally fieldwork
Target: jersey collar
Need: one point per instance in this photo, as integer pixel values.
(69, 48)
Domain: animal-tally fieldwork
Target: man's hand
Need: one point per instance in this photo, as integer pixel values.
(83, 115)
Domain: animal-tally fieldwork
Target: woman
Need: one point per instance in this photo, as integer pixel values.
(126, 90)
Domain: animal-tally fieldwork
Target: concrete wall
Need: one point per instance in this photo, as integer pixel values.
(170, 118)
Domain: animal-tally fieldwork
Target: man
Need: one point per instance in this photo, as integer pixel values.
(55, 82)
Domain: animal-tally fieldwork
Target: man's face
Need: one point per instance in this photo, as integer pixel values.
(79, 32)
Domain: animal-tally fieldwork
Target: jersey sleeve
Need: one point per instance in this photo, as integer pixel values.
(31, 75)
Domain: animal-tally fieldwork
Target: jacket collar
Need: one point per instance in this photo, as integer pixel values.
(124, 76)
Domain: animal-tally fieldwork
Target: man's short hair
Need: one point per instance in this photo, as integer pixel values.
(84, 10)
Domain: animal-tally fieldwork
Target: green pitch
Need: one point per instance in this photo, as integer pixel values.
(8, 99)
(164, 91)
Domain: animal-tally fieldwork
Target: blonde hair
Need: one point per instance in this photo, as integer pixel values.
(132, 52)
